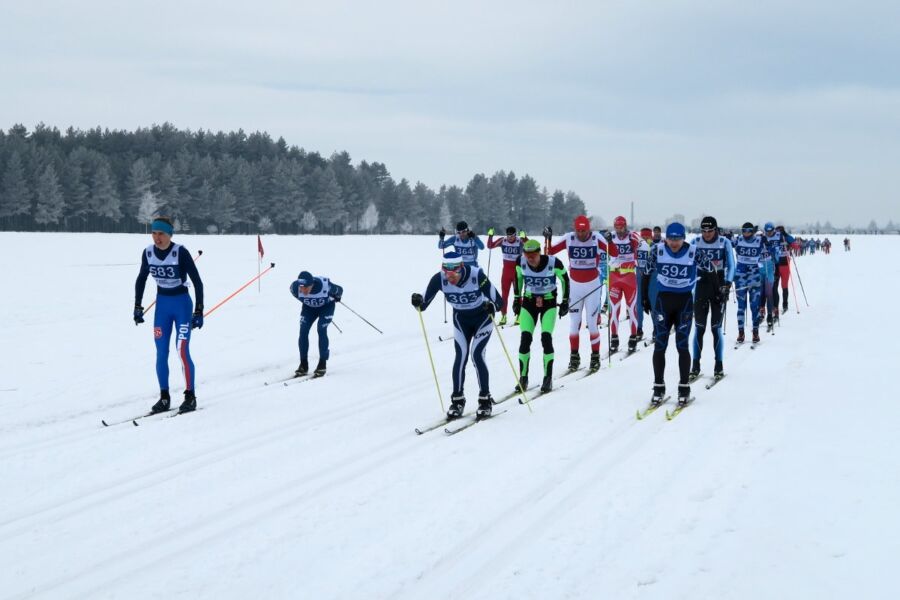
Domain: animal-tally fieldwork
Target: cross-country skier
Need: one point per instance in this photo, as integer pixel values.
(751, 253)
(583, 248)
(535, 302)
(674, 265)
(777, 239)
(466, 243)
(318, 295)
(657, 235)
(170, 265)
(474, 300)
(716, 272)
(623, 248)
(511, 247)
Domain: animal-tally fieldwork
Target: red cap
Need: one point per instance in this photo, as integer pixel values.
(582, 222)
(620, 222)
(646, 232)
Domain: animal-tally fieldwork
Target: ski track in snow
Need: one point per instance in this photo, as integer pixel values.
(323, 489)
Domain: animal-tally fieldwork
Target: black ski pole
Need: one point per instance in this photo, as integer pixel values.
(361, 317)
(800, 279)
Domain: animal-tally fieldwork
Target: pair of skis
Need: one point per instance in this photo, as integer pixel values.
(165, 414)
(454, 426)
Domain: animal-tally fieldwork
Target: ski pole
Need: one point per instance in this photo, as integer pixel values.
(336, 326)
(362, 317)
(430, 359)
(794, 290)
(239, 290)
(800, 279)
(445, 297)
(146, 310)
(490, 254)
(527, 402)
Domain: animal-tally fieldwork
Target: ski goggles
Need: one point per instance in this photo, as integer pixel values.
(707, 229)
(748, 230)
(452, 267)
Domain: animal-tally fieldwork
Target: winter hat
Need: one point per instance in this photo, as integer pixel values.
(452, 259)
(675, 230)
(305, 278)
(748, 226)
(646, 232)
(708, 223)
(462, 226)
(620, 222)
(769, 226)
(510, 230)
(582, 222)
(532, 246)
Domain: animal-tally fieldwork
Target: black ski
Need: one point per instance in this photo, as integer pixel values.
(167, 415)
(539, 394)
(513, 394)
(692, 377)
(468, 422)
(715, 380)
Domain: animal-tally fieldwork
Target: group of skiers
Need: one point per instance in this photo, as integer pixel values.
(675, 282)
(678, 283)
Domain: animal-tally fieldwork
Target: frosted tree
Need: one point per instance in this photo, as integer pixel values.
(49, 198)
(369, 219)
(223, 214)
(15, 195)
(147, 209)
(140, 182)
(309, 221)
(105, 203)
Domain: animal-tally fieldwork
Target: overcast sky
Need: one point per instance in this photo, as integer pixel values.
(762, 110)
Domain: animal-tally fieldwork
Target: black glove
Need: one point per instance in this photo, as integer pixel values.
(336, 298)
(470, 232)
(442, 233)
(417, 300)
(645, 304)
(563, 308)
(607, 235)
(517, 305)
(724, 292)
(138, 314)
(197, 319)
(548, 232)
(489, 307)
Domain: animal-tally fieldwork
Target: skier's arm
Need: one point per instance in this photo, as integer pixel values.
(141, 280)
(563, 277)
(447, 242)
(488, 289)
(433, 286)
(478, 243)
(336, 291)
(519, 281)
(492, 243)
(729, 261)
(190, 269)
(560, 245)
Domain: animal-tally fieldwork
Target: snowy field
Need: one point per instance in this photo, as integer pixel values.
(780, 482)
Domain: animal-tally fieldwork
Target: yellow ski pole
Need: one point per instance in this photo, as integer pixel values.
(431, 359)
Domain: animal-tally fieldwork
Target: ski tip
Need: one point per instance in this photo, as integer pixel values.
(105, 424)
(637, 413)
(135, 423)
(669, 416)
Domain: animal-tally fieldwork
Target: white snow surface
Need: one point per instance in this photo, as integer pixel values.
(780, 482)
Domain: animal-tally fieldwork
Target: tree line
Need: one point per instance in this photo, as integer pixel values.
(117, 181)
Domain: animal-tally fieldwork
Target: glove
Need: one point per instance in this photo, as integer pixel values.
(470, 232)
(563, 308)
(417, 300)
(522, 234)
(336, 298)
(548, 232)
(138, 314)
(607, 236)
(197, 319)
(489, 307)
(442, 233)
(517, 306)
(724, 292)
(645, 304)
(490, 231)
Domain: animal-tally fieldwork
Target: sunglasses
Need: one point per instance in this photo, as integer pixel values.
(707, 229)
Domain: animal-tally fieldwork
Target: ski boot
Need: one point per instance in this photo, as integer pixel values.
(719, 371)
(485, 405)
(684, 394)
(302, 370)
(320, 368)
(632, 343)
(547, 384)
(640, 334)
(659, 394)
(775, 318)
(502, 321)
(770, 327)
(595, 361)
(740, 337)
(574, 362)
(694, 375)
(162, 405)
(457, 406)
(523, 385)
(784, 306)
(755, 335)
(190, 402)
(614, 344)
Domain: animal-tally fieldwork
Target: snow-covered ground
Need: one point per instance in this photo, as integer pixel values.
(780, 482)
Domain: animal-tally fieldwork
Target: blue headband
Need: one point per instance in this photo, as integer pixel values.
(162, 226)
